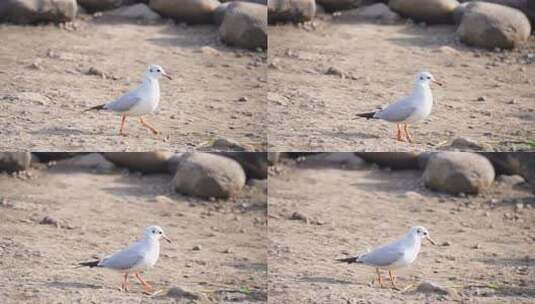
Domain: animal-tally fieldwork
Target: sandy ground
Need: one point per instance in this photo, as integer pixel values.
(101, 212)
(311, 110)
(489, 258)
(40, 108)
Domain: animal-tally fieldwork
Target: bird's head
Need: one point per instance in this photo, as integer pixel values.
(421, 233)
(425, 78)
(156, 233)
(155, 71)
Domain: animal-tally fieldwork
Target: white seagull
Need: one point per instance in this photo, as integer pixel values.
(415, 107)
(138, 257)
(141, 101)
(398, 254)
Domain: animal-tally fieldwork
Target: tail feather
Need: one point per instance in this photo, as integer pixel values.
(349, 260)
(95, 108)
(368, 115)
(90, 264)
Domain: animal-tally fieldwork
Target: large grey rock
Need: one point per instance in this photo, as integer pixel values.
(99, 5)
(245, 25)
(208, 175)
(337, 5)
(36, 11)
(291, 10)
(219, 12)
(458, 172)
(377, 12)
(14, 161)
(146, 162)
(254, 164)
(510, 163)
(93, 161)
(490, 26)
(136, 11)
(393, 160)
(190, 11)
(430, 11)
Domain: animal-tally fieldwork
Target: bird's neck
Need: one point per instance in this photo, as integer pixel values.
(422, 92)
(149, 81)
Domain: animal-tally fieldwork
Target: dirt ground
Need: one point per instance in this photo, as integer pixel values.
(488, 258)
(101, 212)
(312, 110)
(217, 91)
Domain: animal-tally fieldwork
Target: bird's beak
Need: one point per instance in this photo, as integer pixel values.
(167, 75)
(438, 82)
(431, 240)
(165, 238)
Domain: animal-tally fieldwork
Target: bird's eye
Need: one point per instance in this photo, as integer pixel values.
(158, 71)
(428, 77)
(160, 232)
(425, 233)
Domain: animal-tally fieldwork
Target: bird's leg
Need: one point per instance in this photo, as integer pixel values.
(124, 286)
(398, 133)
(379, 278)
(145, 285)
(148, 126)
(409, 137)
(121, 132)
(393, 279)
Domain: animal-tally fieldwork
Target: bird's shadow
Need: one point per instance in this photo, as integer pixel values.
(351, 135)
(325, 280)
(73, 285)
(59, 131)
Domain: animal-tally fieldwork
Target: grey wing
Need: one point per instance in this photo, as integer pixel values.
(123, 260)
(382, 256)
(124, 103)
(396, 112)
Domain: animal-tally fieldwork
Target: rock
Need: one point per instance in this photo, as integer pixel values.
(464, 143)
(458, 172)
(255, 165)
(52, 156)
(189, 11)
(137, 11)
(179, 293)
(273, 158)
(510, 179)
(36, 11)
(378, 11)
(208, 175)
(219, 13)
(15, 161)
(245, 25)
(429, 11)
(430, 287)
(297, 216)
(47, 220)
(145, 162)
(511, 163)
(196, 248)
(100, 5)
(341, 159)
(335, 71)
(338, 5)
(226, 144)
(291, 10)
(30, 97)
(89, 161)
(491, 26)
(393, 160)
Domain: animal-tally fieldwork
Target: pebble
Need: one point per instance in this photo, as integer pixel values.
(196, 248)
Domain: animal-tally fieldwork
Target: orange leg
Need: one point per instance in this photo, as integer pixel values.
(146, 125)
(392, 279)
(379, 278)
(409, 137)
(146, 286)
(398, 133)
(121, 132)
(124, 285)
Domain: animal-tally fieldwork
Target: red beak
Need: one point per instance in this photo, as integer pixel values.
(439, 83)
(167, 75)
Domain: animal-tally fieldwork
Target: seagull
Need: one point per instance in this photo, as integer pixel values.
(417, 106)
(138, 257)
(398, 254)
(141, 101)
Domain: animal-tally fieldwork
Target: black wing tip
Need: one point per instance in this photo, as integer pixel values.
(349, 260)
(90, 264)
(368, 115)
(95, 108)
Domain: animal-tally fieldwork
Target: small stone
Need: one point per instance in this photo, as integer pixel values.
(430, 287)
(476, 246)
(47, 220)
(299, 217)
(196, 248)
(243, 99)
(482, 98)
(335, 71)
(445, 244)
